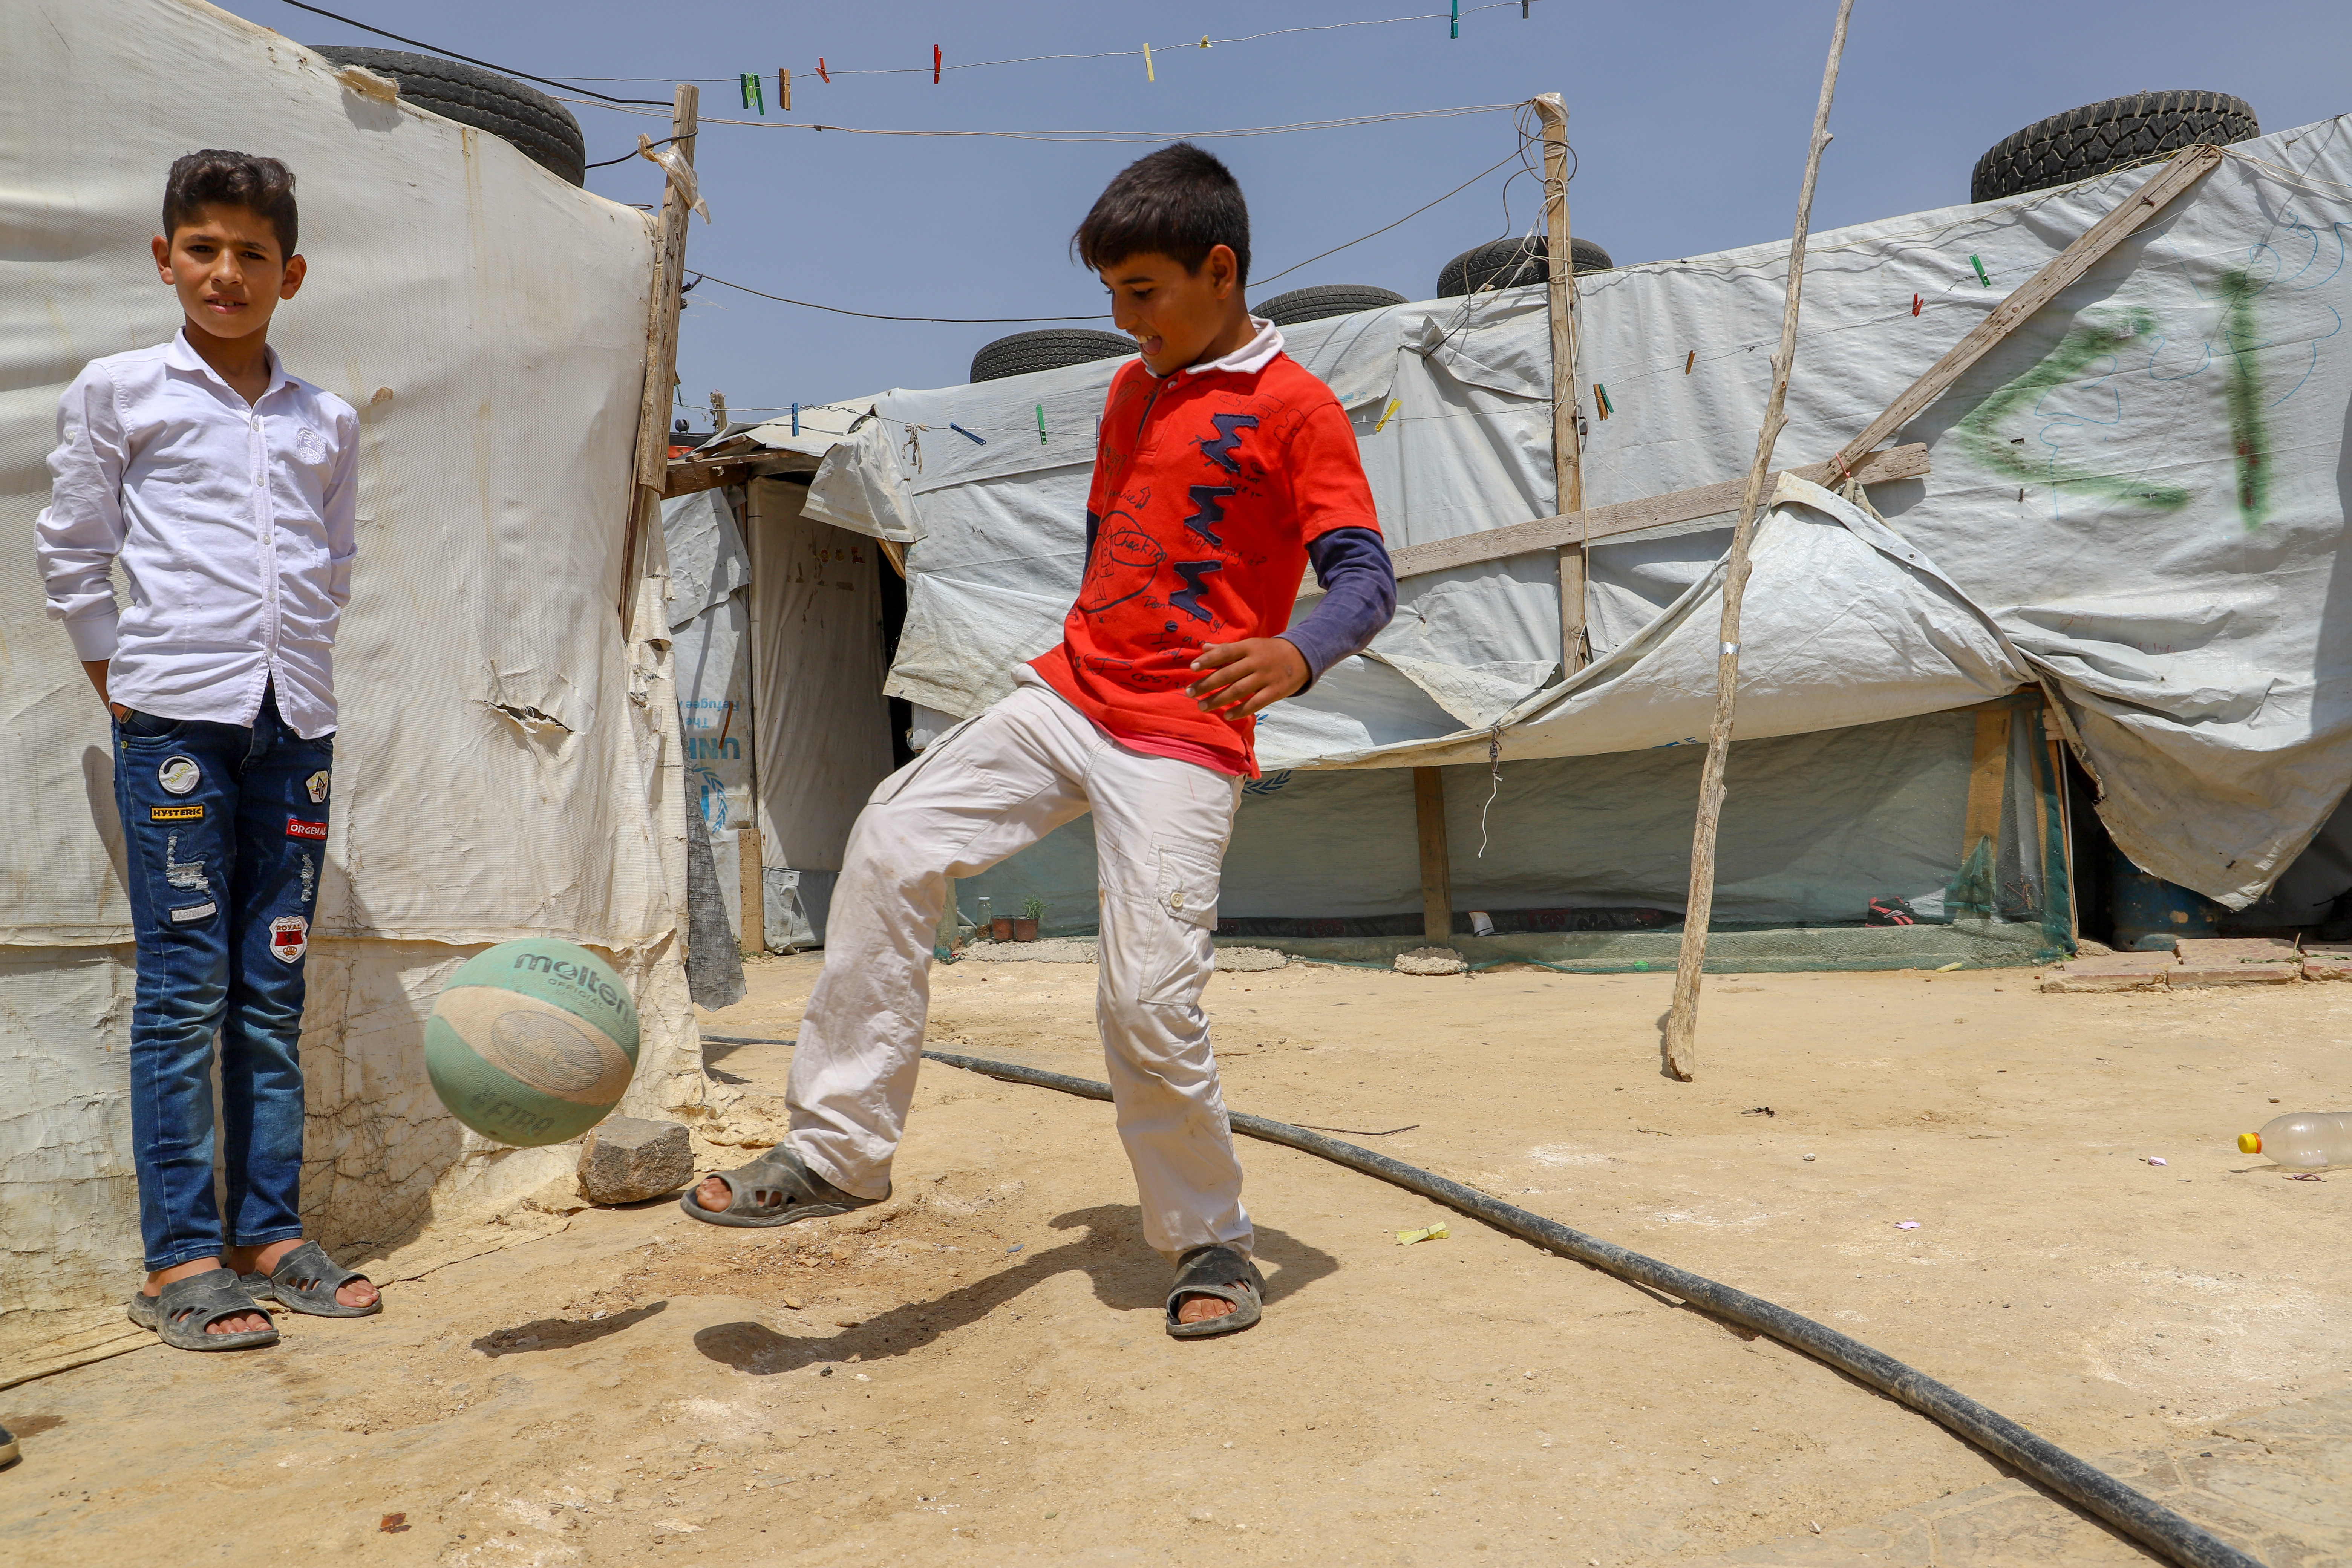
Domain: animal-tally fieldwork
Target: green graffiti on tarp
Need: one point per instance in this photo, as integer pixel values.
(2062, 366)
(2248, 437)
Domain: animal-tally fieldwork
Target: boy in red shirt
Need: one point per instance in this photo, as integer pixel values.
(1221, 469)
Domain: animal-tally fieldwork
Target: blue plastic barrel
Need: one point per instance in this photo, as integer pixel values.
(2150, 913)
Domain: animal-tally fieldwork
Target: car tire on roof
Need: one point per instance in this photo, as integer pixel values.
(1323, 300)
(535, 124)
(2109, 135)
(1509, 263)
(1052, 349)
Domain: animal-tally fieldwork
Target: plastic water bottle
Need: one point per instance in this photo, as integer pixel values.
(2307, 1140)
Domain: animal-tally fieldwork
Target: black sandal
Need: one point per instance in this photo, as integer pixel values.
(306, 1279)
(775, 1189)
(180, 1313)
(1214, 1271)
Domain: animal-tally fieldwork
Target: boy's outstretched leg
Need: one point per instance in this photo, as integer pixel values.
(984, 791)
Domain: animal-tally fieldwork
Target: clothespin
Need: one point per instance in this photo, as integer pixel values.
(796, 419)
(821, 72)
(1981, 271)
(1523, 10)
(1915, 303)
(1457, 20)
(1147, 73)
(976, 440)
(1380, 424)
(753, 95)
(1601, 396)
(1204, 40)
(1041, 424)
(784, 88)
(1689, 360)
(935, 65)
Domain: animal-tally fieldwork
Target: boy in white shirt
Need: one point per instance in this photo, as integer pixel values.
(227, 490)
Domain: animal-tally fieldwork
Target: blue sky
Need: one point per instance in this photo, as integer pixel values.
(1688, 120)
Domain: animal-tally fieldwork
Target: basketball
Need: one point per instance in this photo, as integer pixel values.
(531, 1042)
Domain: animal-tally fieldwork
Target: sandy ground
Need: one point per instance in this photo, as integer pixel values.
(976, 1372)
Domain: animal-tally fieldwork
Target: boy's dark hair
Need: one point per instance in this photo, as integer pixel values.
(216, 177)
(1179, 201)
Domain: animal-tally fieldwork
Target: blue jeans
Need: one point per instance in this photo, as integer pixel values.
(225, 830)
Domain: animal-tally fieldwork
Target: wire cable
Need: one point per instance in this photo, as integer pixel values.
(876, 316)
(1513, 157)
(1071, 137)
(485, 65)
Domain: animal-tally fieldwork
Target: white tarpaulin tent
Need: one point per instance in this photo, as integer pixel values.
(507, 758)
(2138, 499)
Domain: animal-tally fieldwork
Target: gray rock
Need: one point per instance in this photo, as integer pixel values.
(627, 1159)
(1431, 961)
(1250, 960)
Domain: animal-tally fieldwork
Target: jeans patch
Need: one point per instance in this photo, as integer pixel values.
(298, 828)
(179, 774)
(179, 873)
(316, 786)
(309, 880)
(187, 912)
(290, 937)
(194, 813)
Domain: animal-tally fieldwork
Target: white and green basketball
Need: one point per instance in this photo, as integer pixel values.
(533, 1042)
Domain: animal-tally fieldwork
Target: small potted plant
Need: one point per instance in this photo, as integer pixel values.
(1024, 925)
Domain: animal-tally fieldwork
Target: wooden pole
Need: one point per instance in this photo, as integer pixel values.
(661, 353)
(1436, 861)
(751, 863)
(1567, 449)
(1682, 1020)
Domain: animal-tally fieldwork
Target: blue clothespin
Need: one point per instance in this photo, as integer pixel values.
(796, 418)
(979, 440)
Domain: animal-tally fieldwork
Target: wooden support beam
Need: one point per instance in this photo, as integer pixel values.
(661, 353)
(1680, 1041)
(1566, 445)
(686, 476)
(1603, 523)
(2186, 167)
(1436, 864)
(754, 936)
(1988, 781)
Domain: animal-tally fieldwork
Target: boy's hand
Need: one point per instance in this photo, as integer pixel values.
(95, 669)
(1247, 676)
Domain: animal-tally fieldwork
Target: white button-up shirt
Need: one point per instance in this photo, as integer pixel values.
(233, 526)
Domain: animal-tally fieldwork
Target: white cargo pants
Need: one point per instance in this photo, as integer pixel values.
(986, 789)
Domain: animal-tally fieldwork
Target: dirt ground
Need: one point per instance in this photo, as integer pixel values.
(976, 1372)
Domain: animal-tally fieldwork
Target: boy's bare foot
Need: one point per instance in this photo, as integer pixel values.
(262, 1259)
(244, 1323)
(712, 1195)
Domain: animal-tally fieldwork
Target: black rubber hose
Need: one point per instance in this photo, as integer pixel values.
(2143, 1518)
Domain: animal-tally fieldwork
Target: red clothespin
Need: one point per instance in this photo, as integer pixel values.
(1915, 304)
(821, 73)
(935, 65)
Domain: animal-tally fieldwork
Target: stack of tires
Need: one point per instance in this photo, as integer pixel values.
(535, 124)
(2113, 134)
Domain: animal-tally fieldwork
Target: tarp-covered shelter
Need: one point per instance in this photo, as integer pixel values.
(2134, 504)
(507, 758)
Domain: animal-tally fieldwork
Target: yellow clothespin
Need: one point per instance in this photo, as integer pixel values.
(1204, 40)
(1395, 404)
(1149, 74)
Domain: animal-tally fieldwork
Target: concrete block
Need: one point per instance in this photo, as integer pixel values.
(2233, 975)
(627, 1159)
(2328, 966)
(2213, 951)
(2115, 972)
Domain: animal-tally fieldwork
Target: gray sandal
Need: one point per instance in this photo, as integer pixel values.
(306, 1279)
(1213, 1271)
(775, 1189)
(179, 1314)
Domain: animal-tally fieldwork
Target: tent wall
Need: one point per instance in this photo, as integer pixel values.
(823, 723)
(508, 760)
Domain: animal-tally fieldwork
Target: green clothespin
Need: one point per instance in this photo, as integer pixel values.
(754, 92)
(1456, 31)
(1981, 271)
(1041, 424)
